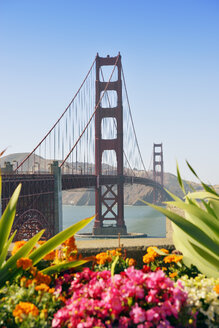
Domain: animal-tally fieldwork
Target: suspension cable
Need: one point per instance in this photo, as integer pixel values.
(97, 105)
(59, 117)
(133, 123)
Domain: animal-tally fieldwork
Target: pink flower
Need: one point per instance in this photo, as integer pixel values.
(137, 314)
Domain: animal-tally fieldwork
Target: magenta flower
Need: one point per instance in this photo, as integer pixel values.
(130, 299)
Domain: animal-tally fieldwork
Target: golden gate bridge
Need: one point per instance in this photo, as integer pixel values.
(92, 144)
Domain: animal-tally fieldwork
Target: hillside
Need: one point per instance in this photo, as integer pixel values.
(132, 193)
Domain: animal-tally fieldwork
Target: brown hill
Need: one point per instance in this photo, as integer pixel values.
(132, 193)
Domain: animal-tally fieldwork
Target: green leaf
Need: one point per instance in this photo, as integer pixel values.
(58, 239)
(215, 206)
(0, 186)
(203, 195)
(180, 179)
(190, 229)
(7, 218)
(209, 189)
(5, 250)
(9, 270)
(158, 251)
(64, 266)
(200, 218)
(214, 261)
(114, 265)
(192, 170)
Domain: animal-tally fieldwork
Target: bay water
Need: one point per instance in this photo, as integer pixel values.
(142, 219)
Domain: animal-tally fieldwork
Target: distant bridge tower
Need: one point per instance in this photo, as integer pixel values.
(157, 170)
(110, 197)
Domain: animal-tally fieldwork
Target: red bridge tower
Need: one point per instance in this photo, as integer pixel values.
(157, 170)
(110, 197)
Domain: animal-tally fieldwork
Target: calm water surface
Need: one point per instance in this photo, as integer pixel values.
(137, 218)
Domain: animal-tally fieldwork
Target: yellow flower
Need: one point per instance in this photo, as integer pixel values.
(152, 252)
(148, 258)
(24, 263)
(23, 309)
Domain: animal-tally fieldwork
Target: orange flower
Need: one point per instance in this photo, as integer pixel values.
(172, 258)
(42, 279)
(148, 258)
(41, 242)
(29, 282)
(216, 288)
(173, 274)
(33, 271)
(50, 256)
(70, 242)
(62, 298)
(164, 269)
(23, 309)
(42, 287)
(24, 263)
(17, 246)
(51, 290)
(132, 262)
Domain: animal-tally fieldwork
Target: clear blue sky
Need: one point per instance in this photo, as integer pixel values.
(170, 54)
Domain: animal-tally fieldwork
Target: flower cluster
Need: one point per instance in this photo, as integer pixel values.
(203, 297)
(105, 260)
(30, 306)
(129, 299)
(160, 259)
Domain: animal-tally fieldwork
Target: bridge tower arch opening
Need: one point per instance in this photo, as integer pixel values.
(109, 200)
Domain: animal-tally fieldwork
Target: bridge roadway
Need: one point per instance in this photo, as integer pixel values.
(70, 181)
(39, 203)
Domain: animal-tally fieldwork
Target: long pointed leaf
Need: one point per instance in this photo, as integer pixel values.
(192, 170)
(9, 270)
(180, 179)
(190, 229)
(114, 265)
(190, 256)
(7, 218)
(55, 241)
(203, 219)
(206, 255)
(64, 266)
(5, 250)
(215, 206)
(203, 195)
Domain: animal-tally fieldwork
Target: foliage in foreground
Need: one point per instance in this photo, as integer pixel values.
(8, 267)
(196, 234)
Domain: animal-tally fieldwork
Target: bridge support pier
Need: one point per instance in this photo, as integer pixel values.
(56, 171)
(109, 198)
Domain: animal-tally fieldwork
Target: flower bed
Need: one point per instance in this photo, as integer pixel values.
(42, 283)
(163, 293)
